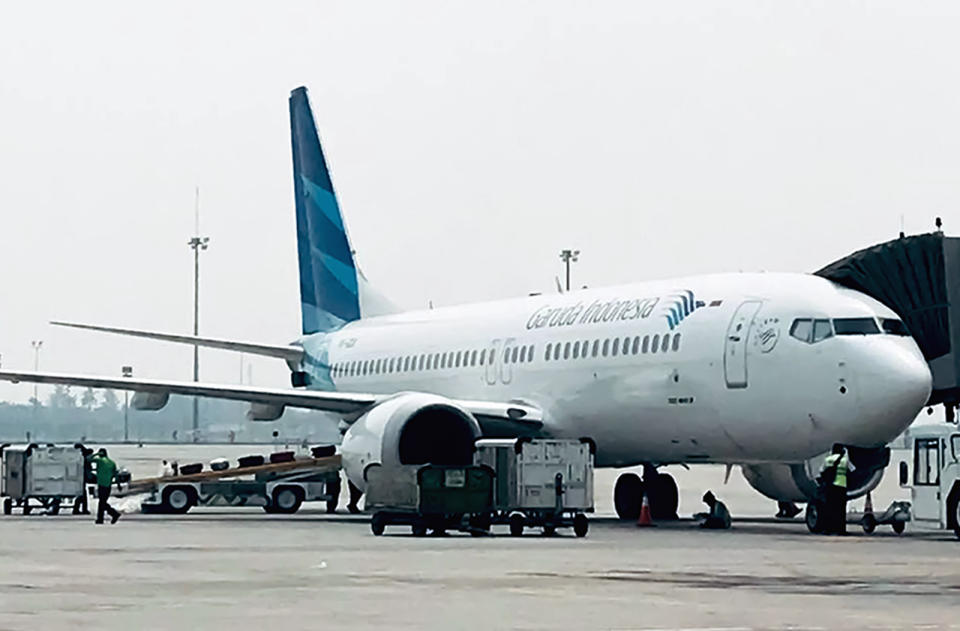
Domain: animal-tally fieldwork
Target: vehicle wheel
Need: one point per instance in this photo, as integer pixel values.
(479, 525)
(549, 530)
(813, 517)
(377, 524)
(332, 505)
(869, 523)
(628, 495)
(179, 499)
(664, 498)
(580, 525)
(287, 499)
(55, 507)
(516, 524)
(899, 526)
(27, 509)
(7, 505)
(419, 530)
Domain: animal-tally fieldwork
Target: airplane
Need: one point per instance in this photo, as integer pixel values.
(765, 370)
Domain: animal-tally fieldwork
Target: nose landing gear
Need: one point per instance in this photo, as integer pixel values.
(660, 488)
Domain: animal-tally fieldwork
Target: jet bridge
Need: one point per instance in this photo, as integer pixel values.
(919, 278)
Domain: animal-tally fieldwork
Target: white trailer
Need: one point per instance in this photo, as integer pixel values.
(277, 487)
(935, 484)
(41, 477)
(545, 483)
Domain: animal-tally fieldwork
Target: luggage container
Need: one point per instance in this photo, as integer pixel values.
(43, 477)
(430, 497)
(544, 483)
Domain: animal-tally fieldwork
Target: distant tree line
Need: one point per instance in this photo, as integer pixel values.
(98, 416)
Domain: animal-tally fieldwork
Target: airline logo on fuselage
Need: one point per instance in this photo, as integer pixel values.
(596, 312)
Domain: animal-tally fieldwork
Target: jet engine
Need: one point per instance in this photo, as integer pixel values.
(798, 482)
(408, 429)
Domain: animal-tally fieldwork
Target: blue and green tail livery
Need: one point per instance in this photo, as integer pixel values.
(329, 291)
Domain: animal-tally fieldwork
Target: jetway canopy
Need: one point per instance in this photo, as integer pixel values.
(919, 278)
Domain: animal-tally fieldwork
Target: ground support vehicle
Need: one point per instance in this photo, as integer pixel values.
(543, 483)
(432, 497)
(896, 516)
(935, 488)
(41, 477)
(277, 487)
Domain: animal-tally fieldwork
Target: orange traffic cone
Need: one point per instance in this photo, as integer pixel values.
(645, 520)
(868, 505)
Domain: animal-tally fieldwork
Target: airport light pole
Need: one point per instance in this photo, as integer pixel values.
(197, 243)
(37, 345)
(569, 256)
(127, 372)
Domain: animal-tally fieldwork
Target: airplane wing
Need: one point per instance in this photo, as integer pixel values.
(523, 416)
(288, 353)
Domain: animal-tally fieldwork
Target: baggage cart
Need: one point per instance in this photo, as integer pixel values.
(431, 497)
(545, 483)
(41, 477)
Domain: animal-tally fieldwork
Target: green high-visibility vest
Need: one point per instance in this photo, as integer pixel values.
(840, 478)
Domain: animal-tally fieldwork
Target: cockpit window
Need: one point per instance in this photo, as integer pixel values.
(855, 326)
(802, 329)
(822, 330)
(894, 327)
(955, 443)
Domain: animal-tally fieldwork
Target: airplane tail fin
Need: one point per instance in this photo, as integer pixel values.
(329, 279)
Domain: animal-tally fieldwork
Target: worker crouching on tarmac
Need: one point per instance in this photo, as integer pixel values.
(106, 472)
(718, 518)
(833, 477)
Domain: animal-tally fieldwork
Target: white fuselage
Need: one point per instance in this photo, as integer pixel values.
(731, 384)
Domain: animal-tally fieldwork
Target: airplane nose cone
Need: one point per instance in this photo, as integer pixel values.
(895, 384)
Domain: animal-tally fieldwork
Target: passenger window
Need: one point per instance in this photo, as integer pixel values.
(566, 350)
(616, 346)
(443, 360)
(665, 345)
(506, 356)
(606, 347)
(523, 354)
(546, 355)
(802, 329)
(655, 344)
(530, 353)
(473, 358)
(556, 351)
(821, 330)
(514, 355)
(894, 327)
(646, 344)
(458, 358)
(585, 348)
(576, 349)
(855, 326)
(636, 345)
(423, 361)
(676, 342)
(596, 347)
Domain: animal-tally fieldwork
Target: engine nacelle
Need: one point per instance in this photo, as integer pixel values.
(265, 411)
(408, 429)
(149, 401)
(798, 482)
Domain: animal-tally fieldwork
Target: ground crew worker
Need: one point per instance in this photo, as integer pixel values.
(80, 506)
(834, 475)
(719, 517)
(106, 472)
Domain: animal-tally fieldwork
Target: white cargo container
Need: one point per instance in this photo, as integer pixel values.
(540, 482)
(41, 476)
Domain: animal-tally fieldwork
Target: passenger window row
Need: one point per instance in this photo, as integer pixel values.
(429, 361)
(611, 347)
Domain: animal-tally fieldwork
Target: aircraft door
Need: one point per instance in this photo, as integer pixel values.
(735, 345)
(491, 367)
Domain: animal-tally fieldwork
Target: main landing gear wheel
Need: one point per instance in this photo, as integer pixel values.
(628, 496)
(516, 524)
(814, 517)
(664, 497)
(580, 525)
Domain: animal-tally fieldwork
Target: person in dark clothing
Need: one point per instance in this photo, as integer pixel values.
(106, 472)
(833, 478)
(719, 517)
(80, 506)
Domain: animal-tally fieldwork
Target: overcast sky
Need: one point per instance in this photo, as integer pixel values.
(468, 143)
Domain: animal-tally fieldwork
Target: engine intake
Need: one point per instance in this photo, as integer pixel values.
(411, 428)
(798, 482)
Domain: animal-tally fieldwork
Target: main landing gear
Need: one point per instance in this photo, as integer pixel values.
(660, 488)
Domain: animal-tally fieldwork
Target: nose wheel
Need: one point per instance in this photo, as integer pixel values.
(662, 493)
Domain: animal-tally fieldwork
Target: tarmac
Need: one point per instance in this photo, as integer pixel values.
(242, 568)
